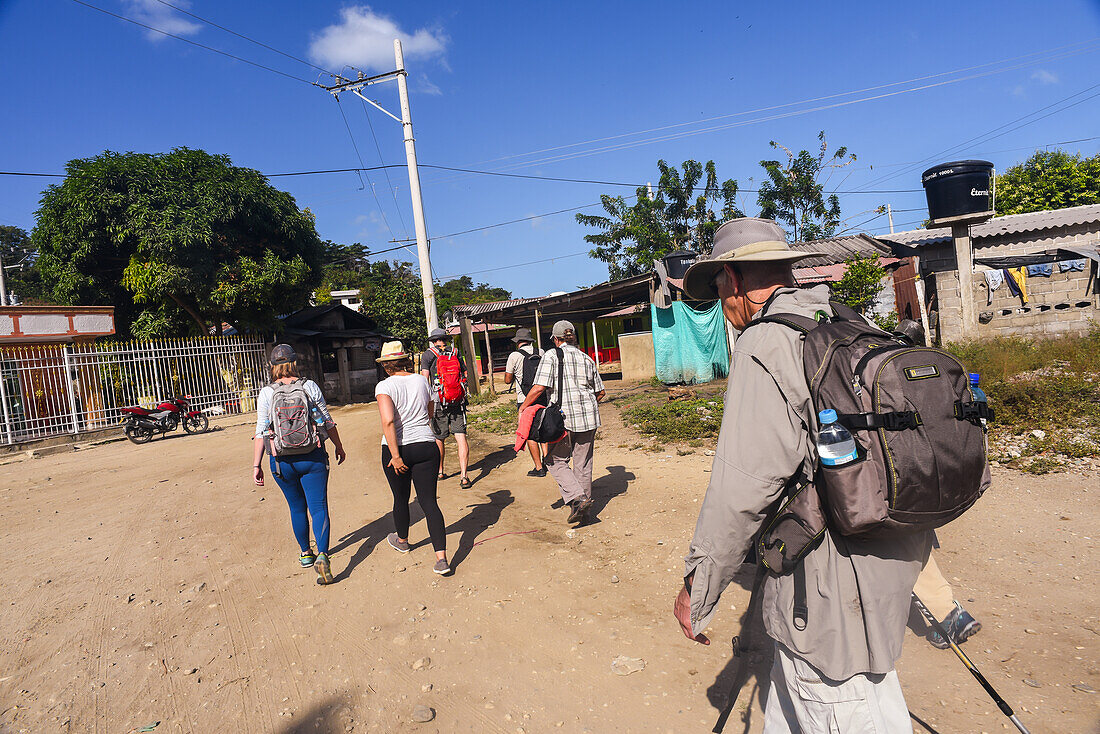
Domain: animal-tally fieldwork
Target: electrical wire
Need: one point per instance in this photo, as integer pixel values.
(385, 168)
(987, 136)
(516, 265)
(358, 155)
(241, 35)
(1054, 50)
(194, 43)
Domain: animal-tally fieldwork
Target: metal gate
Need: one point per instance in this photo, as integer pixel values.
(51, 390)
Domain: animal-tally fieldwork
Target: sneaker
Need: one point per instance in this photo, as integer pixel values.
(321, 566)
(579, 512)
(960, 625)
(307, 559)
(537, 472)
(442, 567)
(401, 546)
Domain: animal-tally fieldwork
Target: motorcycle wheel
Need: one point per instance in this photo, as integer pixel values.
(196, 423)
(139, 434)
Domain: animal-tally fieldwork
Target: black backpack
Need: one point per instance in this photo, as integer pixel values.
(528, 368)
(918, 430)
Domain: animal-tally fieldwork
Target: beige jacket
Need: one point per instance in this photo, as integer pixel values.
(857, 592)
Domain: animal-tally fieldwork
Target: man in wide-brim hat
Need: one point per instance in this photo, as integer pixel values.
(839, 664)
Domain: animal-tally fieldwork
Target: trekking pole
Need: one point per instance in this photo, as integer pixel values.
(1004, 707)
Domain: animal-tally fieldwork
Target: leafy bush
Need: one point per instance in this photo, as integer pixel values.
(677, 420)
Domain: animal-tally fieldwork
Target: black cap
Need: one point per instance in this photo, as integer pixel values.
(283, 353)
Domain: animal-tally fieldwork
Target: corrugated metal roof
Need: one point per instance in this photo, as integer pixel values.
(477, 309)
(838, 249)
(1010, 224)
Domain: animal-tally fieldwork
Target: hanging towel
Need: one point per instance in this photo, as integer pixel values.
(1041, 270)
(1067, 265)
(1018, 276)
(994, 279)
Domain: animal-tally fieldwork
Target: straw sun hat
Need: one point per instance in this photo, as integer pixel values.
(392, 351)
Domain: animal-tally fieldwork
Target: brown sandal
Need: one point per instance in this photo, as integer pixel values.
(465, 483)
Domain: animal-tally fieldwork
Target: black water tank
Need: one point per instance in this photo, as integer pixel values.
(677, 263)
(961, 191)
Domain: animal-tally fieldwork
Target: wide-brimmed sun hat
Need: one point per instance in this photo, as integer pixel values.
(392, 351)
(438, 334)
(744, 240)
(523, 334)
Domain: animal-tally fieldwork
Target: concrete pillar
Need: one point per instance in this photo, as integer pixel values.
(964, 262)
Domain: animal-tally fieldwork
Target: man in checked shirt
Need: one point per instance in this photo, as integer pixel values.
(582, 390)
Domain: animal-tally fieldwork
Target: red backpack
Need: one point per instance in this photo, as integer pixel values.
(450, 382)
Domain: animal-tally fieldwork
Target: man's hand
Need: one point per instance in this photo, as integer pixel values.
(258, 476)
(682, 610)
(340, 455)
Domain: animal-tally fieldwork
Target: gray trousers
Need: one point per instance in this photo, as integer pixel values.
(575, 481)
(802, 701)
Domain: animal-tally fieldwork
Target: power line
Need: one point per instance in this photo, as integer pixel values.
(987, 136)
(361, 163)
(193, 43)
(1054, 50)
(516, 265)
(385, 169)
(241, 35)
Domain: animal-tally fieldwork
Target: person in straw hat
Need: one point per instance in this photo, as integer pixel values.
(835, 665)
(410, 455)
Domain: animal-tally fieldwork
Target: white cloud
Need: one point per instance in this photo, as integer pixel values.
(426, 85)
(150, 12)
(364, 39)
(1045, 77)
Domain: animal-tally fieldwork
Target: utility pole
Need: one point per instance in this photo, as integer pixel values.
(890, 216)
(422, 245)
(3, 285)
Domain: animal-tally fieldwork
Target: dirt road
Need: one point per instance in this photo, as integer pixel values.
(157, 584)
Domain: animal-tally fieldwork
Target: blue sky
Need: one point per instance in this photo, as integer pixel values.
(504, 86)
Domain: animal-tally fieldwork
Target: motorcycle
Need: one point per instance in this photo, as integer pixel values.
(142, 423)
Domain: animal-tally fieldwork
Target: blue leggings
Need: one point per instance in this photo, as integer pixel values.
(304, 482)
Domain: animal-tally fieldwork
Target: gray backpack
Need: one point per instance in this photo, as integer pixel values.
(918, 430)
(292, 420)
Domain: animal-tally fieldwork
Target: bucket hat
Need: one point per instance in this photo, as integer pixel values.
(281, 354)
(392, 351)
(438, 334)
(523, 334)
(743, 240)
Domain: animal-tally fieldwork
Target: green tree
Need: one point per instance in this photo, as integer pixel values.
(794, 193)
(678, 216)
(463, 290)
(178, 242)
(1049, 179)
(861, 282)
(394, 299)
(21, 278)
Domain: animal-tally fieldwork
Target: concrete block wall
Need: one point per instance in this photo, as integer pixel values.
(1064, 303)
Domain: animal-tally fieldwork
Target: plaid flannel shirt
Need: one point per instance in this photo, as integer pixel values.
(581, 383)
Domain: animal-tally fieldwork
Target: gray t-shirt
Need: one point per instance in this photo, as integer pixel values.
(514, 367)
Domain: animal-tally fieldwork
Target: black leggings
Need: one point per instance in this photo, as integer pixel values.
(423, 462)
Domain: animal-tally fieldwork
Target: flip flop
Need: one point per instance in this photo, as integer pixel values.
(465, 483)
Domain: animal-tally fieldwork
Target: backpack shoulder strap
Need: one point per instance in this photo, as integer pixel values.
(561, 373)
(803, 324)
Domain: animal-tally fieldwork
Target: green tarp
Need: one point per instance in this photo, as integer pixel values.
(689, 346)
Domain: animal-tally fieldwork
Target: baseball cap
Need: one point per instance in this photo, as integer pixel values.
(282, 353)
(561, 327)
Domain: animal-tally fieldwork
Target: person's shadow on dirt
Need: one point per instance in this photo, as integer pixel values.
(605, 489)
(475, 522)
(486, 464)
(333, 716)
(759, 661)
(368, 537)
